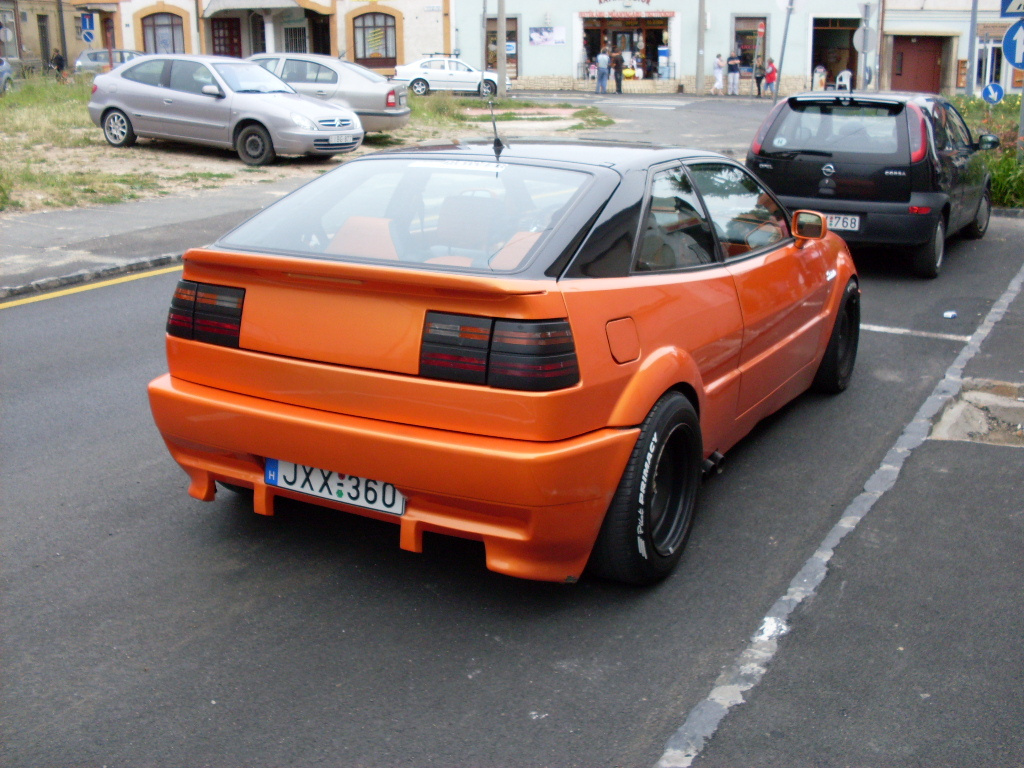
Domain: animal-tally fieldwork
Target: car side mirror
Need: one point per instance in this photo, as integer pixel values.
(213, 90)
(808, 225)
(988, 141)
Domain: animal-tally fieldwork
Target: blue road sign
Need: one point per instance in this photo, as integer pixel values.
(89, 21)
(1012, 7)
(88, 36)
(992, 93)
(1013, 44)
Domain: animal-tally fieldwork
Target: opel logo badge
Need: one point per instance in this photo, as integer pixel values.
(828, 169)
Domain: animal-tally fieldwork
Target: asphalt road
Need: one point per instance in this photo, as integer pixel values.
(142, 628)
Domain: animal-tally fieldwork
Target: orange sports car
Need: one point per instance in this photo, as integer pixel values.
(542, 346)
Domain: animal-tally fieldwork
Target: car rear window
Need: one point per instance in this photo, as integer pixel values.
(480, 216)
(831, 127)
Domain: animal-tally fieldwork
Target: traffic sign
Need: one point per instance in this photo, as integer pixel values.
(1012, 8)
(760, 26)
(1013, 44)
(88, 36)
(992, 93)
(89, 22)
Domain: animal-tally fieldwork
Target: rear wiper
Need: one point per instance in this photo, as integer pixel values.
(789, 154)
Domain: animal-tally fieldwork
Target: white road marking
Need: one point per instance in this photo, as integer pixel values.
(747, 670)
(908, 332)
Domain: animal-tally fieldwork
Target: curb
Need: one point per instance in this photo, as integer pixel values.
(87, 276)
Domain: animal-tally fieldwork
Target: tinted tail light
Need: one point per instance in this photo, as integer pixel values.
(392, 99)
(208, 313)
(529, 355)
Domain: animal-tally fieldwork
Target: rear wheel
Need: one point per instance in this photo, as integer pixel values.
(928, 258)
(419, 87)
(117, 129)
(977, 228)
(254, 145)
(836, 367)
(649, 519)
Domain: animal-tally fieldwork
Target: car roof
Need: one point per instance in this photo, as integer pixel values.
(617, 155)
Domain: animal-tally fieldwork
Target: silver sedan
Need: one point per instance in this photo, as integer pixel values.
(220, 102)
(380, 103)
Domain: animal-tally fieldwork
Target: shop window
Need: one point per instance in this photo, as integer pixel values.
(375, 39)
(163, 33)
(748, 44)
(511, 47)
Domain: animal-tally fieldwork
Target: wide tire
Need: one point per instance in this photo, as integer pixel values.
(117, 129)
(928, 258)
(419, 87)
(254, 146)
(651, 514)
(836, 368)
(979, 226)
(487, 88)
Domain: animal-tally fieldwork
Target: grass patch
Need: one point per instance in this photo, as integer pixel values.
(590, 117)
(1003, 120)
(202, 176)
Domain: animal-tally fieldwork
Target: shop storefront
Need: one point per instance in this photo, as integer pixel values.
(638, 35)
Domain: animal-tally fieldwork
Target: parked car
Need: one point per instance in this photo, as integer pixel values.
(6, 77)
(543, 351)
(445, 73)
(380, 104)
(100, 60)
(894, 169)
(221, 102)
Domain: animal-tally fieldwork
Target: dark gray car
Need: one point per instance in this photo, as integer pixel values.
(897, 169)
(221, 102)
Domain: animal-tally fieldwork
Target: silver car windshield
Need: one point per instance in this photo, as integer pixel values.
(463, 214)
(250, 77)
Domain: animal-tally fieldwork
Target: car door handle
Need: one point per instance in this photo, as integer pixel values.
(321, 93)
(168, 101)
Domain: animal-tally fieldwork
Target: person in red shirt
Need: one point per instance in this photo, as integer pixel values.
(771, 75)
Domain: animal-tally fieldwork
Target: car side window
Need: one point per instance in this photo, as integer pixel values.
(146, 72)
(939, 131)
(190, 76)
(458, 66)
(957, 128)
(745, 216)
(676, 232)
(267, 64)
(435, 64)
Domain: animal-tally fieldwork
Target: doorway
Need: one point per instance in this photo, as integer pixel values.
(917, 63)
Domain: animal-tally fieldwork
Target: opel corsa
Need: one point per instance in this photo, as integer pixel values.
(540, 346)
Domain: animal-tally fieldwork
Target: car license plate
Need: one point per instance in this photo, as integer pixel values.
(836, 221)
(340, 138)
(348, 489)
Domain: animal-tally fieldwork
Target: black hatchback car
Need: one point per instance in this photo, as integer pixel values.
(894, 169)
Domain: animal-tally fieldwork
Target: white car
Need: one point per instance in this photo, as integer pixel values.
(444, 73)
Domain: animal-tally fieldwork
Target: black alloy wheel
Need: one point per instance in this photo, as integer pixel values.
(928, 258)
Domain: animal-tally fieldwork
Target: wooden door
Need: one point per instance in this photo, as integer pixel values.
(227, 37)
(916, 64)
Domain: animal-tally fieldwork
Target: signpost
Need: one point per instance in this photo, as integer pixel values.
(992, 93)
(1013, 52)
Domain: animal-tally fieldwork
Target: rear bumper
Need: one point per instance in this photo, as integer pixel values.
(385, 119)
(537, 507)
(880, 223)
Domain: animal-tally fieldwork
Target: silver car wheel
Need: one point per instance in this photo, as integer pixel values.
(419, 87)
(117, 129)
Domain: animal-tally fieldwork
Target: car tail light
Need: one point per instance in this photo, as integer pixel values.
(392, 99)
(755, 145)
(209, 313)
(918, 133)
(923, 209)
(529, 355)
(94, 88)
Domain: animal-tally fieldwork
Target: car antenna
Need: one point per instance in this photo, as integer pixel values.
(499, 145)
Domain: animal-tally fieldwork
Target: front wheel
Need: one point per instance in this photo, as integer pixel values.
(117, 129)
(650, 516)
(979, 226)
(836, 368)
(928, 258)
(487, 88)
(419, 87)
(255, 146)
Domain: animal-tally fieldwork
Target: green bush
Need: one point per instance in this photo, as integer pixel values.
(1003, 120)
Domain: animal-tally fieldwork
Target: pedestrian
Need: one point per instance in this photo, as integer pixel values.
(771, 75)
(733, 65)
(719, 69)
(603, 62)
(758, 75)
(58, 63)
(617, 69)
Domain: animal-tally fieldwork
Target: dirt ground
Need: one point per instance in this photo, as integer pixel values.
(179, 169)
